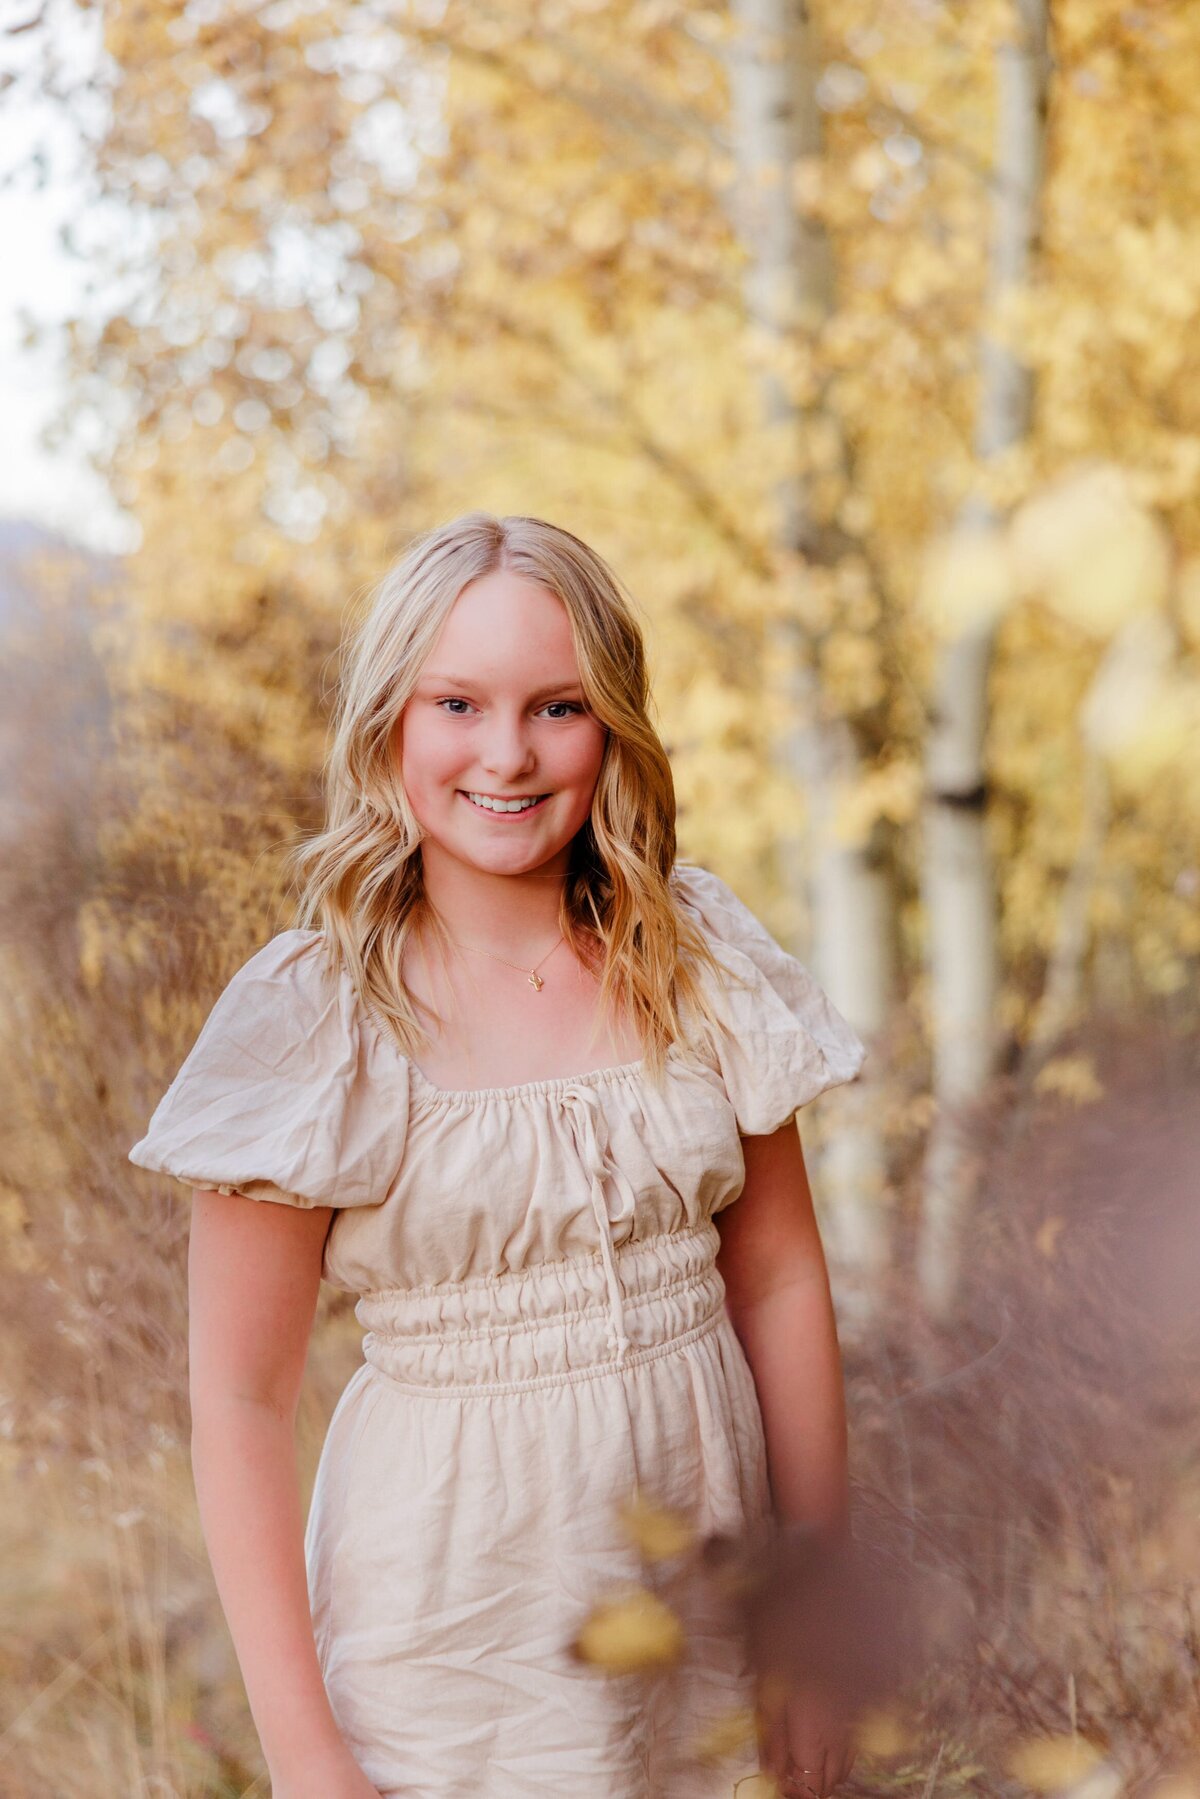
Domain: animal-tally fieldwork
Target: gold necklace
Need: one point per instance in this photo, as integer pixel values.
(535, 979)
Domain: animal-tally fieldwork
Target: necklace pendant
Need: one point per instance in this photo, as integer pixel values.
(536, 982)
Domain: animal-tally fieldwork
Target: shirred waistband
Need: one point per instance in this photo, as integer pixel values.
(547, 1323)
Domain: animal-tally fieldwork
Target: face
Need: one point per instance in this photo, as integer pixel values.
(499, 714)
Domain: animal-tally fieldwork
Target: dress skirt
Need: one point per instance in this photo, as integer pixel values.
(464, 1524)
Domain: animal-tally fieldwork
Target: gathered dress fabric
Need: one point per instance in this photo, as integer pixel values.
(545, 1335)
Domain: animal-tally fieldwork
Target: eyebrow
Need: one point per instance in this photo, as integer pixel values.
(539, 693)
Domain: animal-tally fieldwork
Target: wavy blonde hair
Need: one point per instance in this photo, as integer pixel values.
(361, 880)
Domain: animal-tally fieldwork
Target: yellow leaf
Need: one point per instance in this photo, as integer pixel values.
(631, 1632)
(884, 1733)
(1071, 1077)
(658, 1532)
(1048, 1764)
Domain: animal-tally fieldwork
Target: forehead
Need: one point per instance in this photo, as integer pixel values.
(505, 631)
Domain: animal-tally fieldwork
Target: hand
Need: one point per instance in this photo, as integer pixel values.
(808, 1743)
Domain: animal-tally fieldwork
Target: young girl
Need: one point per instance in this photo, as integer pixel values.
(505, 1082)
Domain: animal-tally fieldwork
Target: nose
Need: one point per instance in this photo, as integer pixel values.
(507, 751)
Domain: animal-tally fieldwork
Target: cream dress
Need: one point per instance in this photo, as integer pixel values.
(544, 1332)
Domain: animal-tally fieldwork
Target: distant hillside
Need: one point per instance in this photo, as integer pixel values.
(23, 545)
(54, 726)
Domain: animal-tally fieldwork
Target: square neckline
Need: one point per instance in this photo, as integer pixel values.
(429, 1091)
(548, 1084)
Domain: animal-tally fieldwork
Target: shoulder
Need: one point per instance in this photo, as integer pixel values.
(291, 999)
(289, 1082)
(287, 1010)
(728, 923)
(292, 959)
(784, 1041)
(705, 891)
(299, 980)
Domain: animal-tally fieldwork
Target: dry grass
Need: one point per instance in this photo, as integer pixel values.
(1036, 1462)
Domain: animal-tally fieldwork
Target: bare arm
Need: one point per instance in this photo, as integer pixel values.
(254, 1269)
(777, 1291)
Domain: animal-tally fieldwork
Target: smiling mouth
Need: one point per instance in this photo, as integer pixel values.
(518, 806)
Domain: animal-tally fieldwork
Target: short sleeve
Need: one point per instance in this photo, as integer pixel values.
(784, 1041)
(289, 1093)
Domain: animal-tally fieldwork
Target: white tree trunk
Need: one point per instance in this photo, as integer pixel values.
(790, 287)
(957, 881)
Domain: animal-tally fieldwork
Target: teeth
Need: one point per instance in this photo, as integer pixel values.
(481, 799)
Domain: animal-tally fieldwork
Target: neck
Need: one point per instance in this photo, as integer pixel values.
(514, 915)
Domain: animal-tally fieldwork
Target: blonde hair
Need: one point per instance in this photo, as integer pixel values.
(361, 876)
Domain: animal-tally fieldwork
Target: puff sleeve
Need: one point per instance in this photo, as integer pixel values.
(289, 1093)
(784, 1041)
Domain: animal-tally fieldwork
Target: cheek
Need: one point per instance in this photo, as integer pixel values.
(427, 754)
(578, 771)
(580, 759)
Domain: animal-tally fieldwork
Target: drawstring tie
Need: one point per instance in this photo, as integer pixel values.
(583, 1104)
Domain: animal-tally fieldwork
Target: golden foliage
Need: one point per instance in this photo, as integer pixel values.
(524, 289)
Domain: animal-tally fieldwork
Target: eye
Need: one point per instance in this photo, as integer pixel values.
(456, 700)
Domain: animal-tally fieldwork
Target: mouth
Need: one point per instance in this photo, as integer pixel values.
(506, 810)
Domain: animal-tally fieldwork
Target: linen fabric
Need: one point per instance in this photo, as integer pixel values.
(544, 1336)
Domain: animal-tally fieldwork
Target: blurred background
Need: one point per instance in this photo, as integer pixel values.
(863, 341)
